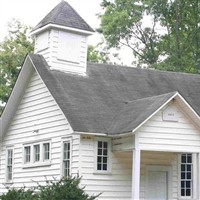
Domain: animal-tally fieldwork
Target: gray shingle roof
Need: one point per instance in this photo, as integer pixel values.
(92, 103)
(63, 14)
(135, 112)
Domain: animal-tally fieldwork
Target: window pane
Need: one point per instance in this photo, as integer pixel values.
(183, 158)
(189, 158)
(105, 145)
(182, 184)
(189, 175)
(188, 192)
(27, 151)
(98, 166)
(66, 168)
(46, 149)
(105, 160)
(189, 168)
(99, 144)
(37, 153)
(100, 152)
(183, 175)
(182, 167)
(105, 167)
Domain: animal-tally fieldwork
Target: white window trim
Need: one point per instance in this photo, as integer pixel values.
(194, 177)
(64, 140)
(109, 167)
(41, 162)
(6, 174)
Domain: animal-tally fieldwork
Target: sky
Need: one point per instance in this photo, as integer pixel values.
(31, 12)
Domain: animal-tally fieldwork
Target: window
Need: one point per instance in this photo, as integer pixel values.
(186, 175)
(46, 151)
(27, 151)
(37, 154)
(9, 173)
(103, 155)
(66, 158)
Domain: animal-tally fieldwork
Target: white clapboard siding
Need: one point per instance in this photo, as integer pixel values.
(55, 45)
(159, 159)
(113, 186)
(173, 136)
(37, 111)
(125, 143)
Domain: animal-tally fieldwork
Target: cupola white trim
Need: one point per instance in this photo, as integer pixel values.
(50, 26)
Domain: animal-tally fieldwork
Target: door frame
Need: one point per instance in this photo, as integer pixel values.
(161, 168)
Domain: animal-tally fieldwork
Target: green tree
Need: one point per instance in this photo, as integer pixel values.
(181, 42)
(122, 24)
(12, 53)
(170, 41)
(95, 55)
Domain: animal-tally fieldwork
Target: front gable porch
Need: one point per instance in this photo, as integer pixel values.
(157, 147)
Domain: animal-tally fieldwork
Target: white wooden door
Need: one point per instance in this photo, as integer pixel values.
(157, 185)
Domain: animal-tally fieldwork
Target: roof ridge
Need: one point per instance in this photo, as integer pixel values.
(160, 95)
(142, 69)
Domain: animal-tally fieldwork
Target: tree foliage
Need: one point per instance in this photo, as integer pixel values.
(169, 41)
(95, 55)
(64, 189)
(12, 53)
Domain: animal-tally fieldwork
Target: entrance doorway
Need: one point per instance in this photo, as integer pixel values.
(157, 184)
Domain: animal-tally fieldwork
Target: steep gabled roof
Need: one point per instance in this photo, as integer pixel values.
(64, 15)
(92, 103)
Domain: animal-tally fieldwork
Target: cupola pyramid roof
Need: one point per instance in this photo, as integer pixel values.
(64, 15)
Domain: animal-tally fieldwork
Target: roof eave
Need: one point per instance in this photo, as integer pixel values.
(51, 26)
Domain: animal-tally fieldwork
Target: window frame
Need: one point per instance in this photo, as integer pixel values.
(109, 155)
(193, 176)
(64, 141)
(41, 161)
(12, 165)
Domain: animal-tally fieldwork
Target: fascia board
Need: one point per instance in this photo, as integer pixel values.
(147, 119)
(178, 97)
(15, 96)
(50, 26)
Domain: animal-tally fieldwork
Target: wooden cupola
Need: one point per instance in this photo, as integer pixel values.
(61, 37)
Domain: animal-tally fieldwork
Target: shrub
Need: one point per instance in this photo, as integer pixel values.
(64, 189)
(19, 194)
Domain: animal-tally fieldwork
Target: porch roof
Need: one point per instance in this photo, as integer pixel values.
(135, 112)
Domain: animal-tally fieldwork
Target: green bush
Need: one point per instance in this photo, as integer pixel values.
(64, 189)
(19, 194)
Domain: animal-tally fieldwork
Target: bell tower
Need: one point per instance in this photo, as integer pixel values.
(61, 37)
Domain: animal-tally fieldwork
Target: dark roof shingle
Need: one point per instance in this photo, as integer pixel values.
(91, 103)
(63, 14)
